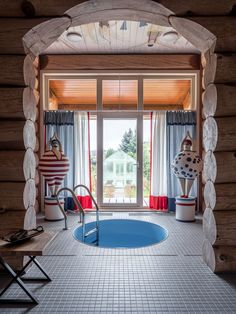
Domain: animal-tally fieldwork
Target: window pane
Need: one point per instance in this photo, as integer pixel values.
(166, 94)
(119, 161)
(119, 94)
(73, 94)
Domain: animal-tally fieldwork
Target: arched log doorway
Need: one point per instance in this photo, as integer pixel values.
(43, 35)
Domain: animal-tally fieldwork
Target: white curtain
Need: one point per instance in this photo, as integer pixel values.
(159, 156)
(82, 150)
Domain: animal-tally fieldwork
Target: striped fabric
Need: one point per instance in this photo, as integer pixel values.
(53, 169)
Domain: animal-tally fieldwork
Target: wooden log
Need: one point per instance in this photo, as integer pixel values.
(209, 167)
(30, 70)
(12, 195)
(17, 166)
(198, 8)
(119, 62)
(220, 196)
(29, 135)
(17, 195)
(29, 195)
(17, 135)
(219, 134)
(29, 165)
(210, 134)
(226, 167)
(226, 69)
(43, 35)
(11, 135)
(226, 134)
(219, 227)
(118, 14)
(19, 65)
(36, 177)
(36, 206)
(30, 102)
(223, 28)
(219, 100)
(11, 221)
(196, 34)
(216, 167)
(18, 103)
(219, 258)
(15, 30)
(30, 218)
(32, 8)
(209, 64)
(36, 149)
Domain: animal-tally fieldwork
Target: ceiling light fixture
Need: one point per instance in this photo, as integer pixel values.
(74, 36)
(170, 36)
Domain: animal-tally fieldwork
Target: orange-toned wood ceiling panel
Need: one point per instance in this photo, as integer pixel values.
(119, 93)
(77, 91)
(165, 91)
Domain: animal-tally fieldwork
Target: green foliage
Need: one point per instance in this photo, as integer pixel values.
(128, 143)
(146, 161)
(109, 152)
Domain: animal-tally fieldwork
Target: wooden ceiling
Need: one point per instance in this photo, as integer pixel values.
(74, 91)
(165, 92)
(81, 94)
(121, 37)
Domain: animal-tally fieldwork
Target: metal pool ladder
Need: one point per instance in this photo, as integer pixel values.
(81, 211)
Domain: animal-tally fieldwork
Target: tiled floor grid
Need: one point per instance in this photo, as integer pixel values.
(166, 278)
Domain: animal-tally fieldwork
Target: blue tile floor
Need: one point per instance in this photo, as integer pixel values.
(169, 277)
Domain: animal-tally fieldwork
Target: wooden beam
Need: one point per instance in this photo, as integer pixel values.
(120, 62)
(220, 258)
(219, 134)
(24, 71)
(219, 227)
(203, 7)
(220, 196)
(224, 28)
(11, 221)
(196, 34)
(32, 8)
(15, 30)
(219, 100)
(18, 103)
(17, 166)
(17, 135)
(226, 69)
(220, 167)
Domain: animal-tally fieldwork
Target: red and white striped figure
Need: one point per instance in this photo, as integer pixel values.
(54, 165)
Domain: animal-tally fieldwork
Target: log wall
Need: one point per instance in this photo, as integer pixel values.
(19, 100)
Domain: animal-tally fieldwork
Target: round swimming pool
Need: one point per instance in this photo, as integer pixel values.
(122, 233)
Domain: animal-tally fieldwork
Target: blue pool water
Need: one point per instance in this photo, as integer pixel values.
(123, 233)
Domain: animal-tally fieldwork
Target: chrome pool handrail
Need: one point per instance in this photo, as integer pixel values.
(97, 211)
(76, 202)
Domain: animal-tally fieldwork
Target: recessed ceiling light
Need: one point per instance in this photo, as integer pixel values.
(74, 36)
(170, 36)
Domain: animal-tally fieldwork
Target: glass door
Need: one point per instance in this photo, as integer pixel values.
(120, 160)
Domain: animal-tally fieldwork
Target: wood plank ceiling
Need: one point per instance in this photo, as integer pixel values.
(81, 94)
(120, 37)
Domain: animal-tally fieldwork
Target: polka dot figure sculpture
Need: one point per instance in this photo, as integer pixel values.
(187, 165)
(54, 165)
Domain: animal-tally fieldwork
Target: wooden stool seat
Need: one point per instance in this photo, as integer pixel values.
(32, 248)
